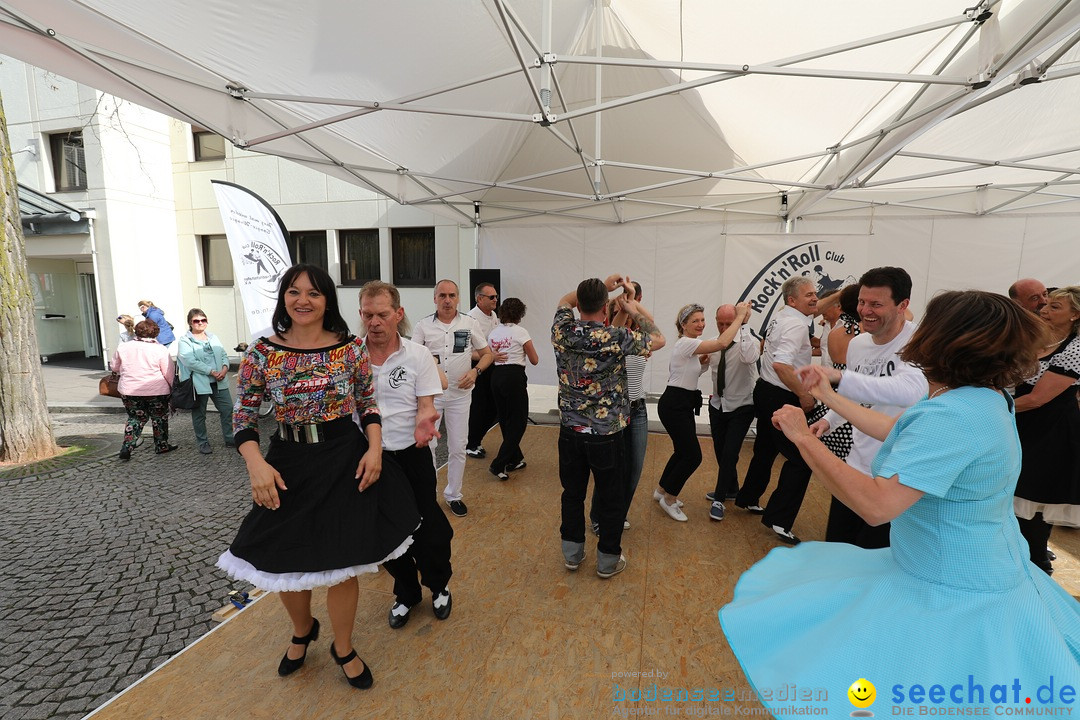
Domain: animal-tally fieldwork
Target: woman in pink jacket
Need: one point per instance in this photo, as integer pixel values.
(146, 374)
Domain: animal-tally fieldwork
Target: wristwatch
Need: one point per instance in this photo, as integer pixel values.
(479, 372)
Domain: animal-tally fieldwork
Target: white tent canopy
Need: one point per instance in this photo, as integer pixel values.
(610, 111)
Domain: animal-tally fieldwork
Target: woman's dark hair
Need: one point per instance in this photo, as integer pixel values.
(976, 338)
(849, 301)
(511, 310)
(332, 320)
(146, 329)
(193, 312)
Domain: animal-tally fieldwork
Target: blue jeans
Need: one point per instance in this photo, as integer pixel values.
(219, 393)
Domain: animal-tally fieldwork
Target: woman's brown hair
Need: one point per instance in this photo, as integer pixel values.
(977, 338)
(147, 329)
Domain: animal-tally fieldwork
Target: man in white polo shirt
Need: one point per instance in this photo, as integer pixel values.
(787, 346)
(482, 414)
(407, 382)
(452, 338)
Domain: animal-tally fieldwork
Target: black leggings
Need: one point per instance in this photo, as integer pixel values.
(677, 408)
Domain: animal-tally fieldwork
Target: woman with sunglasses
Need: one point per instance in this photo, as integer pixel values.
(202, 357)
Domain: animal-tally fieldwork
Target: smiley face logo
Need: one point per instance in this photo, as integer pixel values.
(862, 693)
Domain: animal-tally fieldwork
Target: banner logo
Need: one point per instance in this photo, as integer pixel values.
(817, 261)
(262, 266)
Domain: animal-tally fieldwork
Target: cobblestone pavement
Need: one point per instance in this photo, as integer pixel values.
(107, 568)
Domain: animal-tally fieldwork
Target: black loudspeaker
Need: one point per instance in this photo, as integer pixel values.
(483, 275)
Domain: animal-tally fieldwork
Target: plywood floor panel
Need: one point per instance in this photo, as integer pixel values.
(526, 638)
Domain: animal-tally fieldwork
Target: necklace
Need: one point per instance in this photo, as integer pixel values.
(1056, 342)
(937, 392)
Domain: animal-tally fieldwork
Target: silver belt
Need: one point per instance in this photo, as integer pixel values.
(308, 434)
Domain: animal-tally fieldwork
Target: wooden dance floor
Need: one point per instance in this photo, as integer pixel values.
(527, 638)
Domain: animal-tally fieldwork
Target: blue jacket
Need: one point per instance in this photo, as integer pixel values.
(197, 359)
(165, 333)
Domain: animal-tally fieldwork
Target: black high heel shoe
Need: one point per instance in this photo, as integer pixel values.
(287, 666)
(362, 681)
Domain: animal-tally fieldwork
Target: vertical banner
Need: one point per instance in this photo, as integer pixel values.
(259, 252)
(756, 267)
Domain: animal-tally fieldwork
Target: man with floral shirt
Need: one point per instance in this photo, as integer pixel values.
(594, 410)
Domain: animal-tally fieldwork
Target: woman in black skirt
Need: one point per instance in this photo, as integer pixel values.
(318, 517)
(1048, 423)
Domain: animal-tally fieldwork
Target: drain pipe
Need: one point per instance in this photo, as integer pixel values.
(90, 215)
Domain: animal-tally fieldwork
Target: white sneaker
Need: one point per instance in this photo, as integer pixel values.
(658, 496)
(625, 524)
(673, 510)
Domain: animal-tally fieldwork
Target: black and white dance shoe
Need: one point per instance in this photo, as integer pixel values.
(785, 536)
(288, 666)
(362, 681)
(442, 603)
(399, 615)
(476, 452)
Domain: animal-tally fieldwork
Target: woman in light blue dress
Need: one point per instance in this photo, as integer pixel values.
(955, 602)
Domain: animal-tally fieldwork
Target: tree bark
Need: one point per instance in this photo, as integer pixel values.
(25, 432)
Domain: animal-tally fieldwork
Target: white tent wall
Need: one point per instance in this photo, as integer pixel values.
(679, 264)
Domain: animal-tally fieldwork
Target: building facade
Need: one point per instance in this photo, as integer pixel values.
(149, 227)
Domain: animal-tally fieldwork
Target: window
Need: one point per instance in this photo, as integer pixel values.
(309, 247)
(208, 145)
(413, 256)
(216, 261)
(68, 161)
(359, 256)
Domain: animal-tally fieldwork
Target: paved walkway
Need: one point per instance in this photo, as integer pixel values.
(108, 567)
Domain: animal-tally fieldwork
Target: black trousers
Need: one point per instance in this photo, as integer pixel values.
(603, 456)
(786, 500)
(482, 411)
(728, 430)
(676, 410)
(1037, 533)
(510, 388)
(429, 554)
(846, 526)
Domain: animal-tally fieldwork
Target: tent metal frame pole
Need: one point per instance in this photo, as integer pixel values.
(743, 70)
(941, 66)
(500, 6)
(1026, 39)
(368, 110)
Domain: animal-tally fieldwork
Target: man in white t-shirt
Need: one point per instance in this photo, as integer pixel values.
(407, 382)
(453, 338)
(878, 378)
(482, 413)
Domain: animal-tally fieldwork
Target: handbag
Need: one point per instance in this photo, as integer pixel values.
(109, 385)
(183, 393)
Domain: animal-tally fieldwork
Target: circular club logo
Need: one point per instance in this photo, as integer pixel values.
(262, 266)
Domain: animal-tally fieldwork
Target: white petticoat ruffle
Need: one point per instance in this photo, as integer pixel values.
(240, 569)
(1064, 515)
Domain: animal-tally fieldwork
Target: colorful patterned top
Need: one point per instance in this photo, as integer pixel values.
(306, 386)
(592, 373)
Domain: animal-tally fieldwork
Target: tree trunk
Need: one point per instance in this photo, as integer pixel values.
(25, 433)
